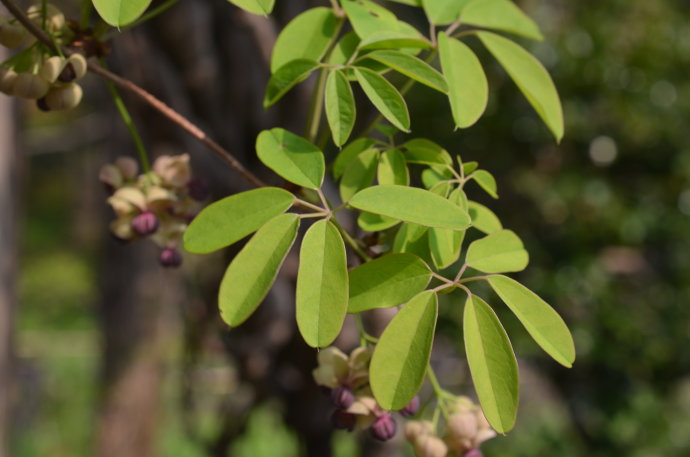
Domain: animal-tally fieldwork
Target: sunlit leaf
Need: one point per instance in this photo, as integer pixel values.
(119, 13)
(286, 77)
(392, 168)
(368, 17)
(292, 157)
(421, 150)
(444, 246)
(500, 15)
(391, 39)
(349, 153)
(375, 222)
(441, 12)
(486, 181)
(385, 97)
(412, 67)
(500, 252)
(402, 354)
(263, 7)
(483, 219)
(340, 107)
(359, 174)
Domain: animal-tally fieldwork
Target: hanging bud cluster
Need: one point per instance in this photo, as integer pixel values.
(347, 379)
(33, 74)
(156, 205)
(466, 430)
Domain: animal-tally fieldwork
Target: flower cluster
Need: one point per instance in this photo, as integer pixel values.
(347, 379)
(466, 429)
(34, 74)
(157, 205)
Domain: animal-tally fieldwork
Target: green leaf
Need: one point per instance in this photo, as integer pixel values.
(340, 107)
(412, 67)
(375, 222)
(421, 150)
(458, 197)
(411, 204)
(483, 219)
(530, 76)
(444, 246)
(348, 154)
(322, 285)
(486, 181)
(286, 77)
(229, 220)
(254, 269)
(499, 252)
(359, 174)
(344, 49)
(442, 12)
(367, 17)
(119, 13)
(402, 354)
(468, 91)
(408, 2)
(492, 364)
(292, 157)
(262, 7)
(392, 168)
(306, 37)
(431, 177)
(413, 239)
(541, 321)
(500, 15)
(391, 39)
(469, 167)
(385, 97)
(387, 281)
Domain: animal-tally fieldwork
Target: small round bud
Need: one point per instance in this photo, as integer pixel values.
(7, 80)
(198, 189)
(430, 446)
(473, 453)
(411, 408)
(28, 85)
(78, 65)
(343, 420)
(51, 68)
(54, 19)
(383, 428)
(342, 397)
(170, 258)
(415, 429)
(64, 97)
(145, 223)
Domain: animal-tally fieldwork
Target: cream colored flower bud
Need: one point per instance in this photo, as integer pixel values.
(415, 429)
(64, 97)
(54, 19)
(174, 170)
(79, 65)
(12, 34)
(430, 446)
(7, 80)
(28, 85)
(463, 425)
(110, 175)
(51, 68)
(128, 167)
(122, 228)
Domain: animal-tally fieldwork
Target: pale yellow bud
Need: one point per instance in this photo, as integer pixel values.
(174, 170)
(111, 175)
(415, 429)
(64, 97)
(128, 167)
(51, 68)
(79, 65)
(122, 228)
(430, 446)
(7, 80)
(28, 85)
(54, 19)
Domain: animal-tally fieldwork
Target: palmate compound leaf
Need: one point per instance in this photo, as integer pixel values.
(232, 218)
(468, 90)
(388, 281)
(292, 157)
(322, 285)
(340, 106)
(530, 76)
(542, 322)
(262, 7)
(402, 353)
(492, 364)
(412, 67)
(500, 252)
(411, 204)
(385, 97)
(500, 15)
(119, 13)
(254, 269)
(286, 77)
(306, 37)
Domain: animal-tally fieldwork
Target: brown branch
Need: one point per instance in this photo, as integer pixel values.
(150, 99)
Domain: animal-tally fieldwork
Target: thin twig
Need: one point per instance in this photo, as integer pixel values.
(147, 97)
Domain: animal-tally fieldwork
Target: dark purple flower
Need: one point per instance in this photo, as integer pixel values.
(411, 408)
(198, 189)
(68, 74)
(343, 420)
(342, 397)
(145, 223)
(170, 258)
(383, 428)
(473, 453)
(42, 104)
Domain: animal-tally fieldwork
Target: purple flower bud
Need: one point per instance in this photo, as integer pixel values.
(383, 428)
(42, 104)
(170, 258)
(342, 397)
(411, 408)
(145, 223)
(473, 453)
(68, 74)
(198, 189)
(343, 420)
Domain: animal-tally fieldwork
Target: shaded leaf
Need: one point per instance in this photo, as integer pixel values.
(359, 174)
(421, 150)
(413, 239)
(541, 321)
(402, 354)
(387, 281)
(385, 97)
(292, 157)
(322, 285)
(254, 269)
(444, 246)
(340, 107)
(441, 12)
(262, 7)
(229, 220)
(492, 364)
(483, 219)
(392, 168)
(392, 39)
(499, 252)
(500, 15)
(286, 77)
(349, 153)
(412, 67)
(375, 222)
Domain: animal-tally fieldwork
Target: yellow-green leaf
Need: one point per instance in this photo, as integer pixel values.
(385, 97)
(292, 157)
(119, 13)
(262, 7)
(500, 15)
(500, 252)
(340, 107)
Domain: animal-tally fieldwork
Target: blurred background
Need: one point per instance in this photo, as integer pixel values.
(114, 356)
